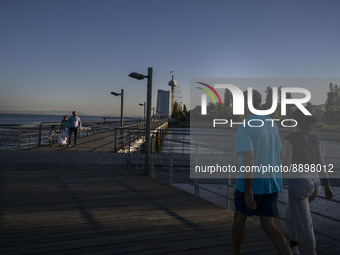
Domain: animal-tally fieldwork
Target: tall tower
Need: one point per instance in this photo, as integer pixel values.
(175, 94)
(172, 84)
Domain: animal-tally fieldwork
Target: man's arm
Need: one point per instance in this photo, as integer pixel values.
(80, 124)
(248, 160)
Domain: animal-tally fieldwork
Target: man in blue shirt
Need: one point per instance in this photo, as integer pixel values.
(258, 144)
(75, 124)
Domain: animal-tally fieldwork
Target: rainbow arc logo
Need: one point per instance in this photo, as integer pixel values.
(209, 93)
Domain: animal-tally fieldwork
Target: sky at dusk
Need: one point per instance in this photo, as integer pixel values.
(69, 55)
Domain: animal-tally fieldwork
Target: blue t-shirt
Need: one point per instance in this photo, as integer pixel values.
(75, 122)
(265, 143)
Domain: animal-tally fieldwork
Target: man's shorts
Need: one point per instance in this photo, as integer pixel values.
(266, 204)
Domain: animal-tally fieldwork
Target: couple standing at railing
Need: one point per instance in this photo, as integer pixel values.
(67, 127)
(256, 194)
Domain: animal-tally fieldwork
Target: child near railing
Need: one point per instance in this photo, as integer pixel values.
(52, 136)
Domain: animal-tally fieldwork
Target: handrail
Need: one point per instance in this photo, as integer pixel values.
(128, 134)
(23, 136)
(233, 186)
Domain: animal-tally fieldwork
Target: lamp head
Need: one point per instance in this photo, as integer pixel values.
(115, 94)
(137, 76)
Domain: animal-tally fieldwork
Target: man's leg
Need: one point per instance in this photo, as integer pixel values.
(275, 235)
(75, 136)
(292, 232)
(70, 136)
(238, 231)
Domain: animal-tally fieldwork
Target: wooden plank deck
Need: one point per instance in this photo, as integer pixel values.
(68, 201)
(93, 150)
(104, 210)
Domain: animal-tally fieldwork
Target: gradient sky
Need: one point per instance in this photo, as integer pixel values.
(69, 55)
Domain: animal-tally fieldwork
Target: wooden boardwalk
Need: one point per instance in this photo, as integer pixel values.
(68, 201)
(91, 150)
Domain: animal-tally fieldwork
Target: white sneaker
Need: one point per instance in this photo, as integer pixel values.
(295, 250)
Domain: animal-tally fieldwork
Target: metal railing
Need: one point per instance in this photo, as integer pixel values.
(131, 138)
(188, 148)
(172, 174)
(26, 136)
(122, 136)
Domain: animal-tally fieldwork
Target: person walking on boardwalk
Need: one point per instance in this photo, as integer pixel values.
(64, 131)
(303, 187)
(256, 193)
(75, 125)
(52, 136)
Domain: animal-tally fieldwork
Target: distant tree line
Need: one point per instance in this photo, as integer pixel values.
(332, 105)
(179, 114)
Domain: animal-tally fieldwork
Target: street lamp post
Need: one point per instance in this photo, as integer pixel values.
(143, 108)
(139, 76)
(121, 106)
(121, 94)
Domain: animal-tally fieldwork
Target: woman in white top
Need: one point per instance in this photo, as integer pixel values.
(64, 130)
(303, 187)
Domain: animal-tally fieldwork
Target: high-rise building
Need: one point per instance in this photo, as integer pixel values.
(163, 103)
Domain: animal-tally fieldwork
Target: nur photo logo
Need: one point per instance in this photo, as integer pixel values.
(238, 99)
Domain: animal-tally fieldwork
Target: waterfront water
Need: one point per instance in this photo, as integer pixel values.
(40, 118)
(177, 141)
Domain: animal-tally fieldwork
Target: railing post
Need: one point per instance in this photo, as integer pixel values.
(40, 133)
(123, 138)
(229, 191)
(183, 145)
(171, 170)
(153, 174)
(232, 153)
(115, 149)
(196, 188)
(129, 149)
(19, 138)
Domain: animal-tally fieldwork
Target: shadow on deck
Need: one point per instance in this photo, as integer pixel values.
(104, 210)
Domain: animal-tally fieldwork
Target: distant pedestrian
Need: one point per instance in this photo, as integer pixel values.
(75, 125)
(52, 136)
(256, 193)
(64, 131)
(303, 187)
